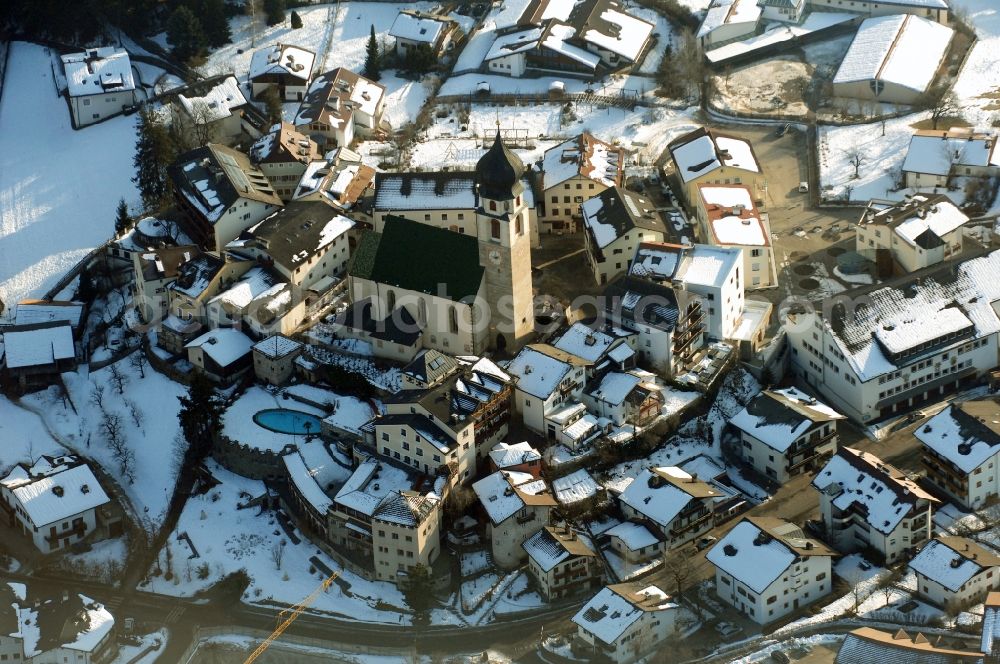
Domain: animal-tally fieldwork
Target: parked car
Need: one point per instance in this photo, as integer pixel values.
(782, 129)
(780, 657)
(803, 187)
(728, 629)
(706, 542)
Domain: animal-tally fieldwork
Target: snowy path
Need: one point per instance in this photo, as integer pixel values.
(58, 187)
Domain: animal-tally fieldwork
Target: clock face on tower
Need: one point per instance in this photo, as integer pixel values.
(495, 257)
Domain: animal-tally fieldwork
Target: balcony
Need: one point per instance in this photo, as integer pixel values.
(77, 531)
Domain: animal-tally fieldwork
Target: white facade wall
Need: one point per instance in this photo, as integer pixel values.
(511, 65)
(641, 638)
(880, 8)
(852, 533)
(805, 581)
(506, 538)
(94, 108)
(971, 592)
(774, 464)
(243, 214)
(616, 258)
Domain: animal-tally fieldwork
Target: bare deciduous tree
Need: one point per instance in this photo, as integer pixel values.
(857, 158)
(278, 553)
(97, 395)
(679, 569)
(136, 412)
(138, 362)
(119, 378)
(942, 103)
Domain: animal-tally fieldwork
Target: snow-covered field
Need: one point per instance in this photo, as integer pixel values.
(229, 539)
(978, 85)
(58, 187)
(882, 157)
(151, 440)
(24, 436)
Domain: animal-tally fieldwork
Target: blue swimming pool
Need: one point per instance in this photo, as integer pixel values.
(283, 420)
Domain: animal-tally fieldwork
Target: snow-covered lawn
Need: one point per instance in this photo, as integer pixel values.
(24, 437)
(238, 423)
(978, 86)
(58, 187)
(151, 440)
(229, 539)
(881, 158)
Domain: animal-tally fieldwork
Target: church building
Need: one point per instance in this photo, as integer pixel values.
(456, 279)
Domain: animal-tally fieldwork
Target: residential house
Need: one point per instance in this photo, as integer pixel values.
(545, 378)
(222, 354)
(727, 21)
(220, 193)
(517, 505)
(562, 562)
(786, 432)
(676, 504)
(594, 346)
(882, 358)
(57, 502)
(388, 515)
(574, 172)
(706, 156)
(868, 505)
(960, 447)
(209, 111)
(766, 568)
(283, 66)
(99, 84)
(631, 397)
(260, 302)
(616, 221)
(415, 29)
(730, 218)
(712, 273)
(633, 548)
(36, 355)
(919, 232)
(955, 572)
(585, 39)
(283, 155)
(274, 359)
(44, 629)
(340, 180)
(153, 272)
(624, 623)
(339, 106)
(428, 369)
(668, 323)
(33, 312)
(447, 429)
(518, 457)
(935, 157)
(878, 66)
(305, 242)
(786, 11)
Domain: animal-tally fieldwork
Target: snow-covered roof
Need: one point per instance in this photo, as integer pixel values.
(584, 342)
(611, 612)
(538, 373)
(224, 345)
(704, 150)
(902, 49)
(257, 284)
(98, 71)
(555, 38)
(733, 215)
(882, 494)
(952, 561)
(615, 212)
(32, 312)
(967, 434)
(634, 536)
(54, 496)
(618, 32)
(614, 387)
(371, 483)
(513, 42)
(697, 264)
(504, 493)
(282, 59)
(309, 468)
(505, 455)
(334, 97)
(778, 417)
(937, 152)
(727, 12)
(552, 546)
(277, 346)
(661, 494)
(754, 556)
(583, 156)
(418, 27)
(216, 103)
(969, 287)
(99, 624)
(38, 345)
(575, 487)
(942, 218)
(425, 191)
